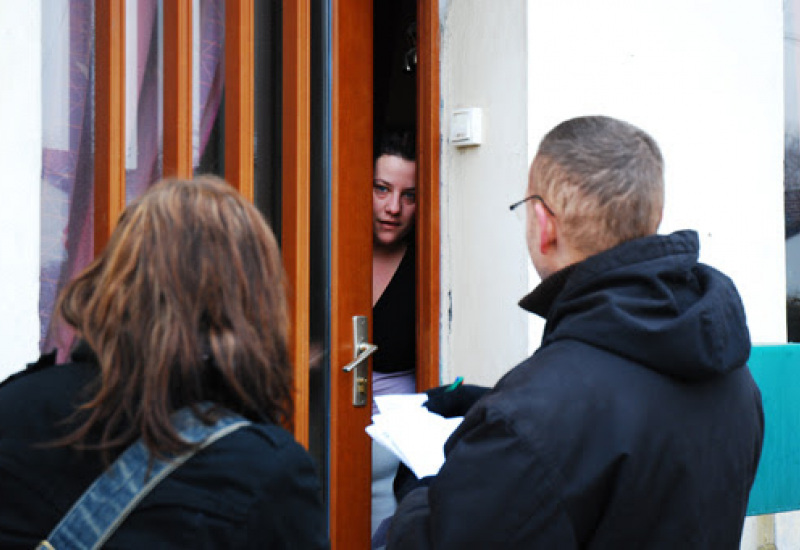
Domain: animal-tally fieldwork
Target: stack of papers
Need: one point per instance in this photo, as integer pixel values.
(413, 433)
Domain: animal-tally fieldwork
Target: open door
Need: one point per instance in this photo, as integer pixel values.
(351, 164)
(350, 268)
(328, 225)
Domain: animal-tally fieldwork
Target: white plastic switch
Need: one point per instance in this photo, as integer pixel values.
(465, 127)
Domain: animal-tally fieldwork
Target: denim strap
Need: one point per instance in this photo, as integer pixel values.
(108, 501)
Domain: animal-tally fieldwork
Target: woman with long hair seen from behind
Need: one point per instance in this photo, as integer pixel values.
(182, 316)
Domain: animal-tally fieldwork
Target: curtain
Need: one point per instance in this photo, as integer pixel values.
(67, 197)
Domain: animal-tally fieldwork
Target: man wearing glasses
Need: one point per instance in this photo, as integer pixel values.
(636, 424)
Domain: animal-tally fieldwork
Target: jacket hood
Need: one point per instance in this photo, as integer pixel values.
(651, 301)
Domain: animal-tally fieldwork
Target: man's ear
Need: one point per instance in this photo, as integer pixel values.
(547, 230)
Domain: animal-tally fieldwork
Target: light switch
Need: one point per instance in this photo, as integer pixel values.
(465, 127)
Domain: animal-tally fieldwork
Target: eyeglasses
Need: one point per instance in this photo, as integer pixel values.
(521, 213)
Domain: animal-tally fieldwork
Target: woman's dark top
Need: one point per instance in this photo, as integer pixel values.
(254, 488)
(394, 320)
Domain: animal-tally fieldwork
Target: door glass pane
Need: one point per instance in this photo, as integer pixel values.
(144, 77)
(268, 173)
(267, 107)
(207, 87)
(143, 94)
(68, 125)
(67, 196)
(319, 375)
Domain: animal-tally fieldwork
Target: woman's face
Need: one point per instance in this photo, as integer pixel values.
(394, 199)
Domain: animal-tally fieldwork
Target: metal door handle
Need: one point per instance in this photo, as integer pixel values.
(364, 350)
(358, 366)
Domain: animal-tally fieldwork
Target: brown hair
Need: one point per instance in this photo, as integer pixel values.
(604, 179)
(185, 304)
(397, 143)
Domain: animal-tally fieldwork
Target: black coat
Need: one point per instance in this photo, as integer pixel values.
(636, 424)
(254, 488)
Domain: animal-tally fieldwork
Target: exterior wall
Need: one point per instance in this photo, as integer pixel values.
(706, 80)
(484, 258)
(20, 157)
(714, 103)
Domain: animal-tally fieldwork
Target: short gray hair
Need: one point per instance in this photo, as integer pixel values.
(604, 178)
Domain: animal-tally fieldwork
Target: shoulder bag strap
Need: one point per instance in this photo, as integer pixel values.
(108, 501)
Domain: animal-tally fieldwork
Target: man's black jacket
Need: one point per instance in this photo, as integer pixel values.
(637, 423)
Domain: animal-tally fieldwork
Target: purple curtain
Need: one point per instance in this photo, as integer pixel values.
(211, 74)
(67, 173)
(67, 179)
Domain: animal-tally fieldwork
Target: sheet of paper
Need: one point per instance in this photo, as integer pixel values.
(403, 401)
(413, 433)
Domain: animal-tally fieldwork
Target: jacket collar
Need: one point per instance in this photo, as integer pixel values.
(539, 300)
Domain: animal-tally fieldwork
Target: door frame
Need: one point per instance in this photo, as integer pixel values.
(351, 166)
(351, 114)
(351, 127)
(295, 197)
(351, 134)
(428, 186)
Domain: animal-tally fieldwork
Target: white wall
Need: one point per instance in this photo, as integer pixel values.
(483, 56)
(20, 157)
(706, 80)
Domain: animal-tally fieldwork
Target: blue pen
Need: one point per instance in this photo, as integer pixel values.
(455, 384)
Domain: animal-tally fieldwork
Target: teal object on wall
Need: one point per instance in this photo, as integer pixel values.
(776, 370)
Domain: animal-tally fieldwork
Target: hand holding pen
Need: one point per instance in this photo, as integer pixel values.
(454, 399)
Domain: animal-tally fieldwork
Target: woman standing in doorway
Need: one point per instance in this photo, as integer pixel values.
(393, 294)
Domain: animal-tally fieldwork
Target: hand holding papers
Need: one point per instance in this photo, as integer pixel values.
(413, 433)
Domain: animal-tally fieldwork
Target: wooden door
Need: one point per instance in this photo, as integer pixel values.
(351, 265)
(351, 114)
